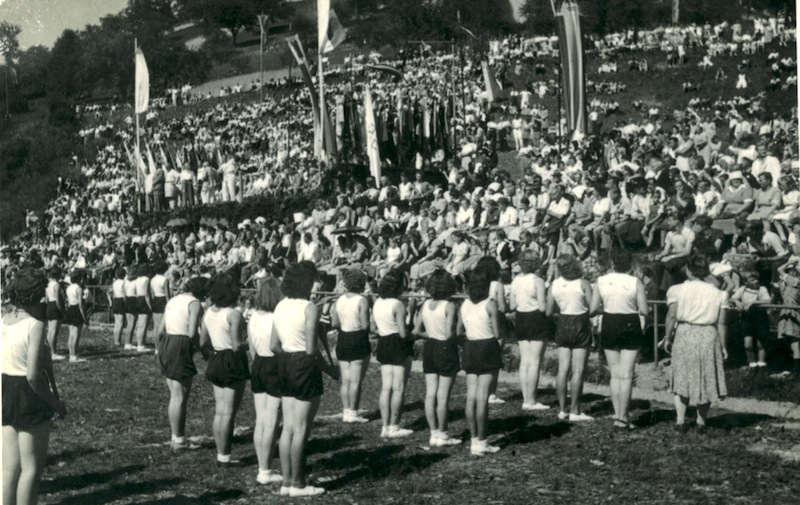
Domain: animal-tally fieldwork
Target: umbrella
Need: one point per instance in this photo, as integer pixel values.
(175, 222)
(348, 230)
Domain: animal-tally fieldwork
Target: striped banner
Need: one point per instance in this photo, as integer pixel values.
(570, 46)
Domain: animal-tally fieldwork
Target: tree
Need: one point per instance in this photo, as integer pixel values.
(32, 70)
(233, 15)
(9, 41)
(64, 76)
(538, 15)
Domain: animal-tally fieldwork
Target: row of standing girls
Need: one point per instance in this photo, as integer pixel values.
(138, 296)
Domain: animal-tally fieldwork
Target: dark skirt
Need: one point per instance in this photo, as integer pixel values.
(394, 350)
(264, 376)
(118, 306)
(298, 376)
(440, 357)
(142, 308)
(74, 316)
(175, 357)
(227, 368)
(533, 326)
(159, 303)
(482, 356)
(621, 331)
(130, 305)
(22, 407)
(574, 331)
(53, 313)
(353, 345)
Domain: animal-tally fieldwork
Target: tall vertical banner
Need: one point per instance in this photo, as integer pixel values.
(676, 11)
(492, 88)
(373, 149)
(142, 86)
(570, 46)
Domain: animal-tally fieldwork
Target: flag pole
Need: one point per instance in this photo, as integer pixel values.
(138, 150)
(322, 109)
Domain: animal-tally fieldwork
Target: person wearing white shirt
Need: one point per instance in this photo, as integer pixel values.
(508, 214)
(309, 250)
(766, 162)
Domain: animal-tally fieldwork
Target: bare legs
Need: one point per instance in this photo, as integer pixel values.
(119, 324)
(53, 327)
(530, 354)
(74, 339)
(131, 321)
(753, 346)
(227, 404)
(570, 360)
(298, 416)
(437, 397)
(141, 329)
(266, 427)
(682, 403)
(352, 375)
(176, 410)
(393, 382)
(621, 364)
(24, 456)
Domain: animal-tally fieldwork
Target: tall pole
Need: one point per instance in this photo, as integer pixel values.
(8, 71)
(138, 150)
(322, 111)
(558, 81)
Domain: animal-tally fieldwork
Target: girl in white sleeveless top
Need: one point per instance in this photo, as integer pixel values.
(497, 294)
(571, 294)
(436, 322)
(144, 309)
(481, 358)
(350, 315)
(176, 339)
(55, 310)
(76, 313)
(624, 305)
(394, 352)
(227, 368)
(117, 299)
(29, 402)
(264, 378)
(159, 291)
(532, 327)
(300, 367)
(130, 306)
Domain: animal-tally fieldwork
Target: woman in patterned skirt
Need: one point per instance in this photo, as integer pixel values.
(696, 320)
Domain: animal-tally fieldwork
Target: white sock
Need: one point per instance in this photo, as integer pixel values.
(224, 458)
(178, 440)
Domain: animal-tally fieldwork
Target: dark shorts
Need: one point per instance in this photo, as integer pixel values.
(52, 313)
(441, 357)
(159, 303)
(130, 305)
(621, 331)
(22, 407)
(118, 306)
(74, 316)
(574, 331)
(264, 376)
(755, 323)
(353, 345)
(227, 368)
(142, 308)
(533, 326)
(482, 356)
(175, 357)
(394, 350)
(298, 376)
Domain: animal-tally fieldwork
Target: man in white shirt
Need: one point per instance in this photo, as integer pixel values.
(309, 250)
(766, 162)
(508, 214)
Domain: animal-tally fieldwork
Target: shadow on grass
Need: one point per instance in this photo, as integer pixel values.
(375, 464)
(524, 430)
(654, 417)
(736, 420)
(66, 456)
(69, 482)
(119, 491)
(320, 445)
(203, 499)
(421, 422)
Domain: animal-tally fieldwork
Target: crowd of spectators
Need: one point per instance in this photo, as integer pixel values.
(717, 177)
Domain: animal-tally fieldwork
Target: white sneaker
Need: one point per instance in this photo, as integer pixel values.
(346, 416)
(353, 417)
(284, 491)
(268, 477)
(76, 359)
(489, 449)
(495, 400)
(58, 357)
(538, 406)
(562, 415)
(446, 441)
(384, 432)
(143, 349)
(398, 432)
(475, 447)
(298, 492)
(130, 347)
(578, 418)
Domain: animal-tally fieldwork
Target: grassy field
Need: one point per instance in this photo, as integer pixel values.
(112, 448)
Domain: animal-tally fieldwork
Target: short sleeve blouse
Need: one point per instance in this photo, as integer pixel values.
(697, 302)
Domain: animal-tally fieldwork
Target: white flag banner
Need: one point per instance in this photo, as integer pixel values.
(142, 83)
(373, 151)
(323, 17)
